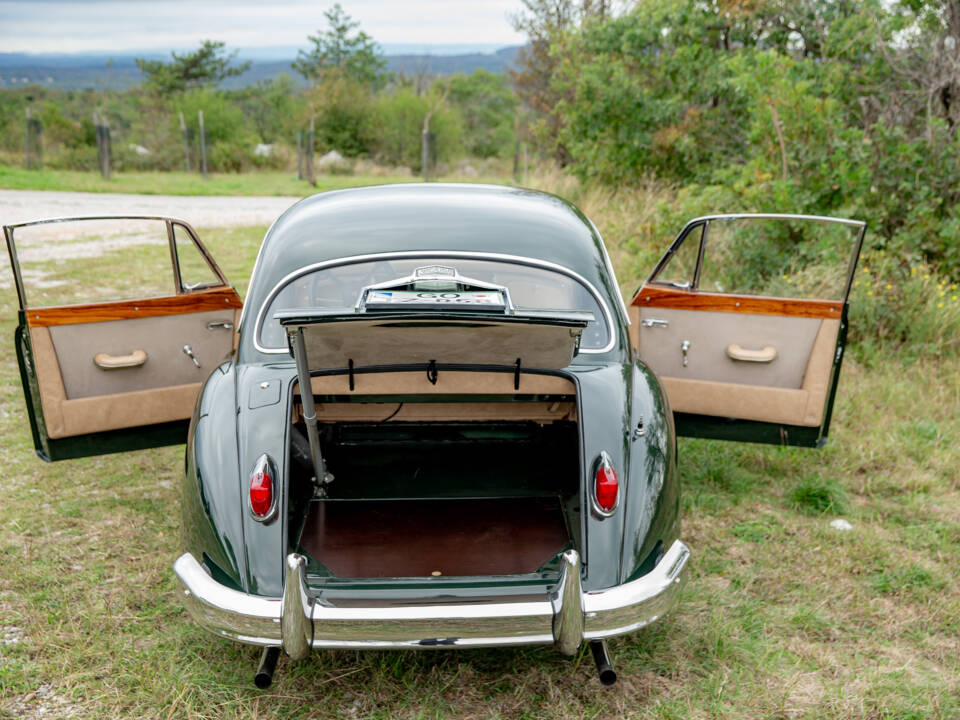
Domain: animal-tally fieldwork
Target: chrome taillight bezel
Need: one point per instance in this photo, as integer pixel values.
(264, 463)
(603, 461)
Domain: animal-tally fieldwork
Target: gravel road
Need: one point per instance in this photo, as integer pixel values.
(18, 206)
(215, 211)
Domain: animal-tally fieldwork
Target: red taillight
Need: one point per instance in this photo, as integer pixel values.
(606, 485)
(262, 478)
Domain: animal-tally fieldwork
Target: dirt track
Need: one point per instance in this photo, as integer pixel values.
(215, 211)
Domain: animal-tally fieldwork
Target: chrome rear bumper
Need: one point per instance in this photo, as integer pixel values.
(565, 617)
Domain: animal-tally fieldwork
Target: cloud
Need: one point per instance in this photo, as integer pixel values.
(86, 25)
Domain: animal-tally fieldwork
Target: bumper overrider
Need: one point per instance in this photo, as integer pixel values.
(565, 617)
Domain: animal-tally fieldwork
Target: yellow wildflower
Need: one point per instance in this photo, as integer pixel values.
(913, 270)
(889, 286)
(869, 292)
(939, 305)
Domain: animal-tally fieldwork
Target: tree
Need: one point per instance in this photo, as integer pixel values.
(544, 22)
(487, 104)
(205, 66)
(342, 48)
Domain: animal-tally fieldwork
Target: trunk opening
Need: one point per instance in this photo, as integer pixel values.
(446, 485)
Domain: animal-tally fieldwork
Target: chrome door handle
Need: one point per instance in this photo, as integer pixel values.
(219, 325)
(654, 322)
(685, 348)
(188, 351)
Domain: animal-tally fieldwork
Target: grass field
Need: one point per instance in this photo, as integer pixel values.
(784, 617)
(181, 183)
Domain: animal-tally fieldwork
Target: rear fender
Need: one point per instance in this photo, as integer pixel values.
(651, 507)
(211, 502)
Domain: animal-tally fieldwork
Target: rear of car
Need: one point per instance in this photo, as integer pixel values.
(478, 462)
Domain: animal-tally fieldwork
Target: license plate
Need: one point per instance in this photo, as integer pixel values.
(396, 299)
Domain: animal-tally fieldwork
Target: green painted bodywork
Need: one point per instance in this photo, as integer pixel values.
(613, 391)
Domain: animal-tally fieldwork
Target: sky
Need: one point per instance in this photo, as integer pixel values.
(53, 26)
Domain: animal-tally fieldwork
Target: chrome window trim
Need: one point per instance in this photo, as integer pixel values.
(613, 276)
(778, 216)
(439, 254)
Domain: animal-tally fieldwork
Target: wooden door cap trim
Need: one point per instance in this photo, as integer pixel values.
(662, 297)
(203, 301)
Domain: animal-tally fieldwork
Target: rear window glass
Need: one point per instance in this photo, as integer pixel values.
(340, 287)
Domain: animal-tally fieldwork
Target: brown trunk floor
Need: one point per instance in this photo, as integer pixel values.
(417, 538)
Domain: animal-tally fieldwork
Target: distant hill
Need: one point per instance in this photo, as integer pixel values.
(496, 62)
(101, 71)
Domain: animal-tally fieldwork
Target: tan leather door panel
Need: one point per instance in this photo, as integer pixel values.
(710, 334)
(161, 338)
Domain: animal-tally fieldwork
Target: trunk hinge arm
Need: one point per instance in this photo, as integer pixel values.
(309, 409)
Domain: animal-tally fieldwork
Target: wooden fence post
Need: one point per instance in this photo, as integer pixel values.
(102, 130)
(311, 178)
(203, 147)
(37, 128)
(299, 154)
(524, 163)
(99, 136)
(105, 129)
(186, 142)
(26, 143)
(108, 153)
(427, 153)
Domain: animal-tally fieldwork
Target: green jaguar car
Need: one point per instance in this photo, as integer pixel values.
(433, 422)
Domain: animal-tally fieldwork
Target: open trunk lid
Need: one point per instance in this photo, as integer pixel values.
(435, 316)
(336, 340)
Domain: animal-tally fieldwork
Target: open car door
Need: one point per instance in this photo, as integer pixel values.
(745, 319)
(121, 319)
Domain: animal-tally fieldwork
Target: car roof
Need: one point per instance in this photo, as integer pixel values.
(430, 216)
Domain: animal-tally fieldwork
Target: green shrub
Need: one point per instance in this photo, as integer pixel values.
(904, 307)
(399, 126)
